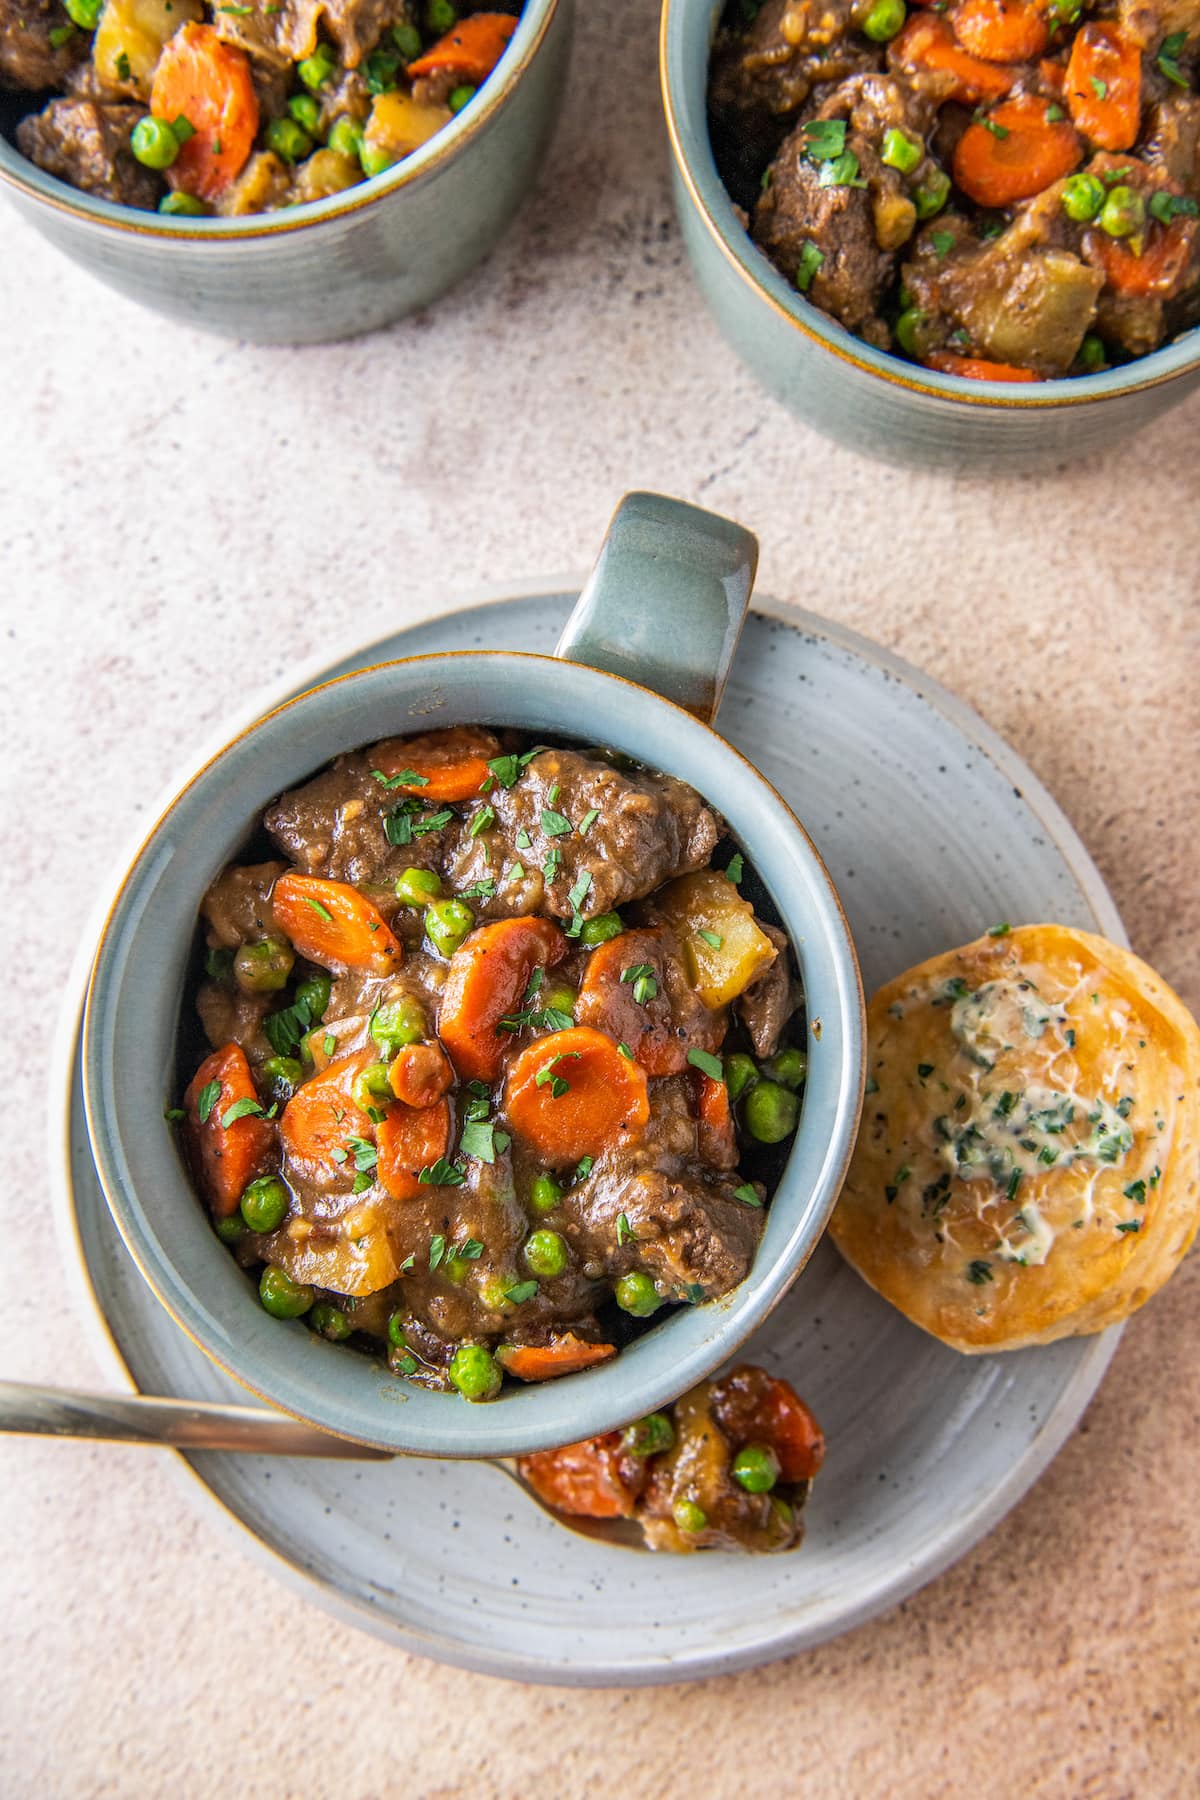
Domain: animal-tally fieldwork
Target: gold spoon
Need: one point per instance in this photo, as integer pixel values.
(248, 1430)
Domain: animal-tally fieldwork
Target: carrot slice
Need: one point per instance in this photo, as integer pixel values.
(471, 51)
(321, 1117)
(791, 1430)
(410, 1139)
(718, 1142)
(1052, 75)
(565, 1355)
(573, 1094)
(1104, 85)
(1000, 31)
(596, 1479)
(420, 1075)
(449, 765)
(927, 43)
(201, 78)
(1157, 272)
(225, 1157)
(1015, 153)
(974, 368)
(331, 923)
(648, 1026)
(486, 982)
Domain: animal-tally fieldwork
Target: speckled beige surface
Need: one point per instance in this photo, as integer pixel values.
(182, 518)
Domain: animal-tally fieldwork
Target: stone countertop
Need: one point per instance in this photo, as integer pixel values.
(183, 519)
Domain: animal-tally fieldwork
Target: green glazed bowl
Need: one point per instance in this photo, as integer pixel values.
(858, 395)
(665, 603)
(331, 268)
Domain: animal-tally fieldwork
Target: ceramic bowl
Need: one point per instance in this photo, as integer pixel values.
(863, 397)
(331, 268)
(690, 574)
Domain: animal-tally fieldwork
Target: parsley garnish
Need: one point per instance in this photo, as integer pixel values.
(173, 1113)
(588, 820)
(244, 1108)
(645, 985)
(575, 899)
(1136, 1191)
(942, 241)
(824, 139)
(1164, 207)
(210, 1093)
(624, 1050)
(329, 1043)
(811, 262)
(584, 1167)
(479, 1140)
(1167, 60)
(505, 769)
(1054, 113)
(747, 1194)
(625, 1231)
(1001, 930)
(710, 1065)
(524, 1290)
(1099, 88)
(123, 69)
(480, 890)
(979, 1271)
(442, 1174)
(322, 912)
(712, 938)
(483, 820)
(554, 824)
(734, 868)
(1130, 1225)
(61, 34)
(546, 1077)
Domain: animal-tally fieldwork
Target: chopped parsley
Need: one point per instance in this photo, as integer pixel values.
(708, 1064)
(588, 820)
(480, 890)
(210, 1093)
(442, 1174)
(1164, 207)
(1136, 1191)
(644, 981)
(979, 1271)
(322, 912)
(483, 820)
(505, 769)
(546, 1077)
(1130, 1225)
(1054, 113)
(245, 1108)
(61, 34)
(624, 1050)
(329, 1043)
(1099, 87)
(1167, 60)
(712, 938)
(824, 139)
(173, 1114)
(584, 1167)
(625, 1231)
(554, 824)
(1001, 930)
(522, 1291)
(997, 131)
(942, 241)
(809, 267)
(735, 868)
(479, 1140)
(747, 1194)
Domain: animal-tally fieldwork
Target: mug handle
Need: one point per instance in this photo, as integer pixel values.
(665, 602)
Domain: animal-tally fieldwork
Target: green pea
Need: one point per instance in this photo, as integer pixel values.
(282, 1297)
(456, 1269)
(907, 327)
(218, 966)
(408, 41)
(84, 13)
(933, 195)
(475, 1372)
(395, 1332)
(399, 1022)
(264, 1204)
(264, 968)
(231, 1230)
(447, 924)
(493, 1295)
(375, 159)
(900, 151)
(1124, 212)
(346, 137)
(635, 1293)
(441, 16)
(330, 1322)
(306, 110)
(371, 1085)
(1083, 197)
(283, 1075)
(314, 992)
(460, 97)
(153, 143)
(741, 1072)
(770, 1112)
(545, 1253)
(601, 928)
(545, 1194)
(688, 1516)
(287, 140)
(756, 1468)
(885, 20)
(649, 1436)
(317, 70)
(789, 1067)
(1092, 353)
(417, 887)
(560, 996)
(182, 206)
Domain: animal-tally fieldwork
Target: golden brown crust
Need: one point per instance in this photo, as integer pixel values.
(1029, 1161)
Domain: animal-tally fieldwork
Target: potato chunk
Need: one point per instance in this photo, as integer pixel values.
(130, 37)
(399, 124)
(723, 945)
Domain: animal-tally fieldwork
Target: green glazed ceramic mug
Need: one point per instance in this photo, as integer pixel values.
(863, 397)
(640, 669)
(330, 268)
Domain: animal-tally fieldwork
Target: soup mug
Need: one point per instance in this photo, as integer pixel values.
(640, 669)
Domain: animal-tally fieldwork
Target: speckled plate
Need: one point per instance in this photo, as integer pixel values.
(933, 829)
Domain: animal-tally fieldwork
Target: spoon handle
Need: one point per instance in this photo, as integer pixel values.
(173, 1424)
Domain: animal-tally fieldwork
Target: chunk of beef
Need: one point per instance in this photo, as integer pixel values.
(231, 1017)
(237, 907)
(760, 77)
(856, 221)
(663, 1028)
(1148, 22)
(698, 1469)
(31, 54)
(685, 1229)
(640, 829)
(264, 185)
(87, 143)
(337, 826)
(292, 32)
(1171, 140)
(772, 997)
